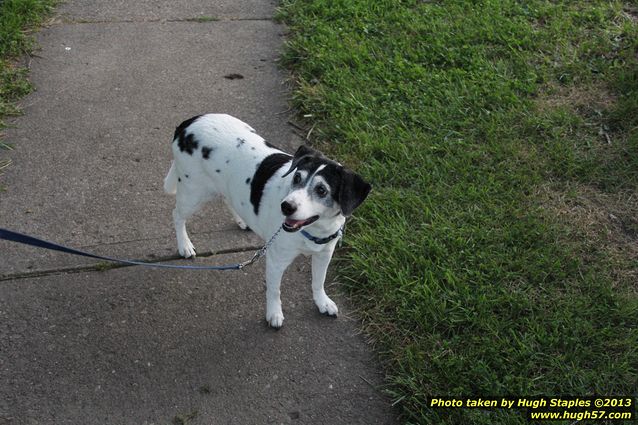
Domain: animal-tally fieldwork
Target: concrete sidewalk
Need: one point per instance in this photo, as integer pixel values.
(142, 346)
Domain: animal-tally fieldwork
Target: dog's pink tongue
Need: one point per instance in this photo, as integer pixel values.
(294, 223)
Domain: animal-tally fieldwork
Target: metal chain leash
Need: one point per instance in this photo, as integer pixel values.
(260, 253)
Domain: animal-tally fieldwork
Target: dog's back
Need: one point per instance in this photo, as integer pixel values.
(218, 144)
(215, 154)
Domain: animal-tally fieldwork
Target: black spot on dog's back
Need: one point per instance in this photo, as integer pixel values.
(180, 131)
(206, 152)
(187, 144)
(265, 171)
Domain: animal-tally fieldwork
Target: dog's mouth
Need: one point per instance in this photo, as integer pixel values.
(291, 225)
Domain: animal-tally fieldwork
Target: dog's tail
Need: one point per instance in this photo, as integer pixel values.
(170, 181)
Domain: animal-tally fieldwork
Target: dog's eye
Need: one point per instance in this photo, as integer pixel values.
(321, 191)
(296, 179)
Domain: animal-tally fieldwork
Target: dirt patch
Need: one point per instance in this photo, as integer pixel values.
(593, 97)
(631, 12)
(605, 220)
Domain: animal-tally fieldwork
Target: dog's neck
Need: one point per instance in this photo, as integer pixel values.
(326, 227)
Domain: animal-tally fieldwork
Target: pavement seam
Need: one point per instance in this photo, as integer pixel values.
(207, 234)
(104, 265)
(66, 20)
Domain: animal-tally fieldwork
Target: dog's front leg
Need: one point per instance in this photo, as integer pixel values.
(276, 265)
(320, 262)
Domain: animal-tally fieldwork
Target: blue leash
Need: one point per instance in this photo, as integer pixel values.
(8, 235)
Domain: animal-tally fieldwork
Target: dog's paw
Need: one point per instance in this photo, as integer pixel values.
(188, 250)
(241, 224)
(275, 319)
(327, 306)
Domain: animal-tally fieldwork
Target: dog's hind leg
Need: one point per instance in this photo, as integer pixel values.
(188, 201)
(240, 222)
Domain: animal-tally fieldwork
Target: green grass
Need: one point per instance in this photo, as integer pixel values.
(497, 253)
(16, 18)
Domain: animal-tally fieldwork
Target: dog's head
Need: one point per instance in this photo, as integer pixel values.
(320, 188)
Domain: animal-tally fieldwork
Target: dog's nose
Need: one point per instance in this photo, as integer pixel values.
(287, 208)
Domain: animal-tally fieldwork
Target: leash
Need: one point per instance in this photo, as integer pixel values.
(9, 235)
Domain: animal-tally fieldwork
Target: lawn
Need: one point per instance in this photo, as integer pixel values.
(498, 252)
(17, 17)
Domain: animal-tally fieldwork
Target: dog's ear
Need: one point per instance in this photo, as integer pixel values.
(302, 152)
(352, 192)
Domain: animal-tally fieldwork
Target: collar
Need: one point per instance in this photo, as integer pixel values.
(321, 241)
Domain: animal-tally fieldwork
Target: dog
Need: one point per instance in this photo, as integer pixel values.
(306, 194)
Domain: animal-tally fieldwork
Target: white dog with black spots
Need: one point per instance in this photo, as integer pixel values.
(307, 194)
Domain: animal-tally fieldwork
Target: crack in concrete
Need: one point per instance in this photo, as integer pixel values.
(104, 265)
(68, 20)
(158, 238)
